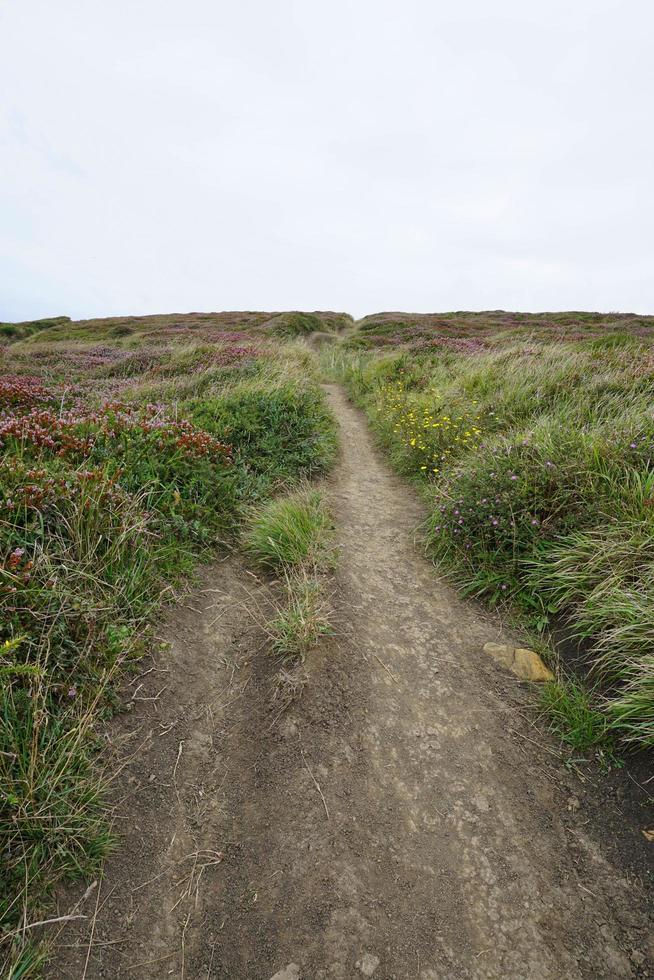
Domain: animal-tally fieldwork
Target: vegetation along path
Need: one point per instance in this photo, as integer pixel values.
(403, 818)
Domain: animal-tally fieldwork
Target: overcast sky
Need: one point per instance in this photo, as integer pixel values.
(356, 155)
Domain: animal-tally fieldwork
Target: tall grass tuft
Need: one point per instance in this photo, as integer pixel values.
(290, 531)
(299, 625)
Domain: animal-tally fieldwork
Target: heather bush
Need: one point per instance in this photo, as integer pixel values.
(276, 431)
(105, 504)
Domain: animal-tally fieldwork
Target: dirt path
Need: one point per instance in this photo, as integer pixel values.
(403, 819)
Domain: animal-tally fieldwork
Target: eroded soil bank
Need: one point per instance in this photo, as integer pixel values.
(403, 818)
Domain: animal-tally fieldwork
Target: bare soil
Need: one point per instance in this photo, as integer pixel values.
(404, 818)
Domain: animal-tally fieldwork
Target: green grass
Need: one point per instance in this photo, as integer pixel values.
(290, 531)
(27, 963)
(296, 324)
(532, 439)
(13, 331)
(572, 717)
(603, 577)
(299, 625)
(274, 430)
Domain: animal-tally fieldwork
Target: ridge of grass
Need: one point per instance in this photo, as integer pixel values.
(131, 450)
(15, 331)
(293, 537)
(532, 439)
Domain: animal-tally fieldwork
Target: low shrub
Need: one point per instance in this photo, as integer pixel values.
(277, 433)
(296, 324)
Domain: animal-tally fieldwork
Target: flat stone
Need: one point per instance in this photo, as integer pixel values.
(367, 964)
(290, 972)
(524, 663)
(529, 665)
(501, 653)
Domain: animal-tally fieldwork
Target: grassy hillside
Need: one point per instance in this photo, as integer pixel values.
(132, 448)
(533, 438)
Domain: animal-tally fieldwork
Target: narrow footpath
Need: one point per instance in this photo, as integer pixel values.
(403, 818)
